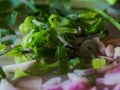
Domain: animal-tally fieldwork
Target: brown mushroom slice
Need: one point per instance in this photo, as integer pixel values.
(29, 82)
(88, 49)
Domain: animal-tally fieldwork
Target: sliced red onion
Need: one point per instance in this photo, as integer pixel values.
(107, 68)
(72, 85)
(30, 83)
(53, 84)
(106, 88)
(108, 58)
(117, 52)
(66, 84)
(56, 87)
(99, 81)
(76, 78)
(93, 88)
(109, 50)
(84, 72)
(5, 85)
(117, 87)
(112, 77)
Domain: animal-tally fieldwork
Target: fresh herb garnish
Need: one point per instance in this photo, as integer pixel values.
(50, 33)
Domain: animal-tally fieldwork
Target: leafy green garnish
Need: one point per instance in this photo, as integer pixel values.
(41, 67)
(51, 34)
(19, 74)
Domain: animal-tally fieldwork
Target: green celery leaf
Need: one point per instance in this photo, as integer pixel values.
(27, 39)
(57, 21)
(14, 51)
(41, 67)
(94, 28)
(22, 58)
(19, 74)
(59, 24)
(27, 25)
(87, 15)
(47, 38)
(64, 30)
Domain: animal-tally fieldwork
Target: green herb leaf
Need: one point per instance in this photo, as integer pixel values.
(94, 28)
(41, 67)
(19, 74)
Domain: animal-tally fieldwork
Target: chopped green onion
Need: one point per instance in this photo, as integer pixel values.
(63, 63)
(98, 63)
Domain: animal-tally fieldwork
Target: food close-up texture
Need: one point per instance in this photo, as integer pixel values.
(59, 44)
